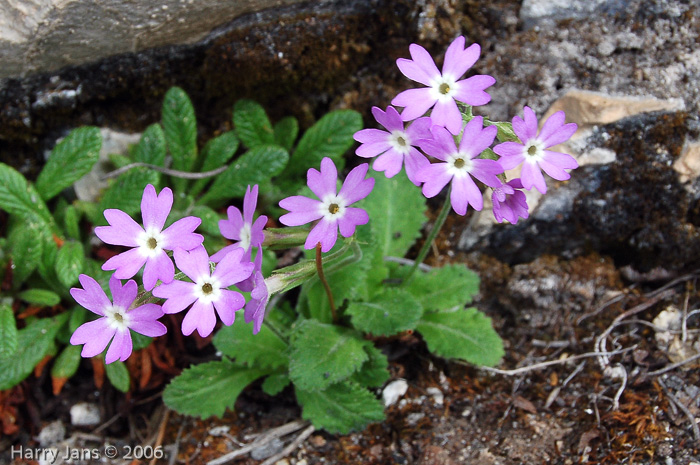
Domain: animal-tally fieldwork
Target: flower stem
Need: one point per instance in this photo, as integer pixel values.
(322, 277)
(442, 216)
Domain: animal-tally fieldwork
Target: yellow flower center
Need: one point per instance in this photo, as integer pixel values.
(333, 208)
(459, 163)
(152, 243)
(207, 288)
(444, 88)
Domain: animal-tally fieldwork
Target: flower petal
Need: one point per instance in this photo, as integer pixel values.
(552, 125)
(179, 295)
(200, 317)
(195, 263)
(471, 90)
(232, 270)
(91, 296)
(352, 218)
(126, 264)
(158, 267)
(415, 162)
(356, 187)
(416, 102)
(325, 232)
(95, 335)
(445, 113)
(123, 296)
(323, 183)
(390, 162)
(120, 348)
(458, 59)
(231, 228)
(123, 230)
(371, 136)
(250, 201)
(302, 210)
(181, 234)
(228, 304)
(435, 177)
(562, 134)
(531, 176)
(155, 208)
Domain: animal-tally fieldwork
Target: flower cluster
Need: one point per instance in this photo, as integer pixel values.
(460, 144)
(206, 294)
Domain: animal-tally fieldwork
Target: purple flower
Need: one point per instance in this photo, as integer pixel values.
(116, 319)
(460, 164)
(532, 154)
(207, 291)
(150, 242)
(255, 308)
(395, 145)
(333, 209)
(240, 227)
(443, 88)
(509, 202)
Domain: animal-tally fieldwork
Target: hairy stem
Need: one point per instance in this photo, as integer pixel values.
(168, 171)
(442, 216)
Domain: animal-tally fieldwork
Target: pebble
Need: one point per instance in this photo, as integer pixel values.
(52, 433)
(436, 394)
(84, 414)
(268, 450)
(393, 391)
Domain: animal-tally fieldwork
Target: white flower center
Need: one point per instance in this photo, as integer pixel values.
(400, 142)
(245, 234)
(333, 207)
(207, 289)
(444, 88)
(117, 318)
(459, 165)
(533, 151)
(151, 242)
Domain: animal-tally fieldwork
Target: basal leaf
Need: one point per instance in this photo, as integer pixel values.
(26, 240)
(33, 343)
(8, 332)
(71, 222)
(467, 335)
(330, 137)
(69, 161)
(126, 191)
(208, 389)
(388, 313)
(210, 219)
(118, 375)
(323, 354)
(18, 197)
(375, 371)
(256, 166)
(505, 131)
(67, 362)
(262, 350)
(286, 132)
(152, 146)
(42, 297)
(180, 128)
(397, 211)
(252, 124)
(341, 408)
(275, 383)
(444, 288)
(216, 153)
(70, 262)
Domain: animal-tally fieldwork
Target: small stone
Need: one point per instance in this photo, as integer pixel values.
(436, 394)
(435, 455)
(413, 418)
(219, 430)
(84, 414)
(317, 441)
(52, 433)
(393, 391)
(268, 450)
(282, 462)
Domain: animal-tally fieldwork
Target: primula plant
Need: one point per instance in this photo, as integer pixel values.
(183, 256)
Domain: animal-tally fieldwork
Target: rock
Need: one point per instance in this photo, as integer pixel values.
(436, 394)
(51, 434)
(436, 455)
(393, 391)
(541, 12)
(267, 450)
(688, 164)
(85, 414)
(45, 35)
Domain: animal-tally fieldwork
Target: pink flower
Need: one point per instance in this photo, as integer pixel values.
(255, 308)
(240, 227)
(333, 209)
(509, 202)
(150, 242)
(531, 152)
(443, 88)
(207, 291)
(116, 319)
(459, 165)
(395, 145)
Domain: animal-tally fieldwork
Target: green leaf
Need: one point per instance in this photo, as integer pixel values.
(47, 264)
(467, 335)
(33, 343)
(210, 219)
(208, 389)
(69, 161)
(216, 153)
(118, 375)
(505, 131)
(40, 297)
(67, 362)
(286, 132)
(119, 160)
(180, 128)
(26, 243)
(444, 288)
(71, 222)
(330, 137)
(389, 313)
(252, 124)
(18, 197)
(264, 350)
(70, 262)
(275, 383)
(397, 211)
(126, 191)
(256, 166)
(8, 332)
(323, 354)
(341, 408)
(152, 146)
(375, 371)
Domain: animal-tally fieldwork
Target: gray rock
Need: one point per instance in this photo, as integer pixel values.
(268, 450)
(51, 434)
(85, 414)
